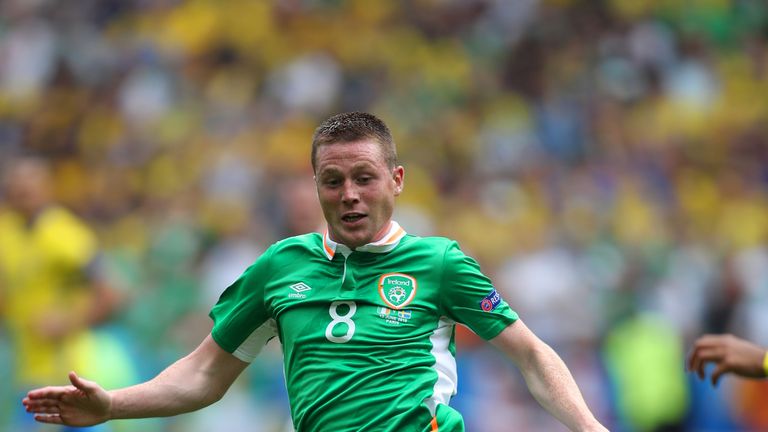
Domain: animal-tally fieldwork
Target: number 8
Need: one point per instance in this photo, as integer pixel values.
(346, 319)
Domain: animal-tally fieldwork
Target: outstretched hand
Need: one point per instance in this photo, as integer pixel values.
(84, 403)
(729, 354)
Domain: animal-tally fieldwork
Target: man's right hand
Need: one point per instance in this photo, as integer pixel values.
(84, 403)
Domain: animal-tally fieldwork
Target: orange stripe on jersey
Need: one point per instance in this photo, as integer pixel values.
(328, 250)
(433, 423)
(393, 236)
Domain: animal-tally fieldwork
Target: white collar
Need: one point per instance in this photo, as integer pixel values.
(386, 244)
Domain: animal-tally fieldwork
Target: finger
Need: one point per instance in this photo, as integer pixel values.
(45, 409)
(717, 373)
(696, 364)
(37, 405)
(53, 392)
(709, 340)
(689, 361)
(705, 355)
(49, 418)
(81, 383)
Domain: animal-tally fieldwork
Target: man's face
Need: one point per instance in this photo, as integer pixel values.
(27, 187)
(357, 191)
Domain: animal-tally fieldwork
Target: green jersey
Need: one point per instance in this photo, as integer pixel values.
(367, 335)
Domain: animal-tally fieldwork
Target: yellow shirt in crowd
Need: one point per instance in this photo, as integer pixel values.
(43, 269)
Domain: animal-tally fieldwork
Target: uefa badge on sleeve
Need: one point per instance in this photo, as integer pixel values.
(491, 301)
(397, 289)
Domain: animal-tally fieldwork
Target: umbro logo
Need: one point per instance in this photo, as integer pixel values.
(299, 289)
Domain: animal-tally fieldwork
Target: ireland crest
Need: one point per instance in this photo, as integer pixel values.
(397, 289)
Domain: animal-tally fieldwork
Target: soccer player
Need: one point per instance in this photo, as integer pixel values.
(365, 314)
(730, 354)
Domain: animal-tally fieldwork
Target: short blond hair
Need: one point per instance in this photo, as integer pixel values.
(355, 126)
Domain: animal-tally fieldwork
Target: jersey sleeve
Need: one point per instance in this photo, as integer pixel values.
(241, 322)
(468, 296)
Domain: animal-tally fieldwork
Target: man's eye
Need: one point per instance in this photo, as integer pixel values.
(332, 182)
(363, 180)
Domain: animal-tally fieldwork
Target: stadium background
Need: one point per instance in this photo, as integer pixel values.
(605, 161)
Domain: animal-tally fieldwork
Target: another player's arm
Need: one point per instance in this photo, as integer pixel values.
(547, 377)
(730, 354)
(193, 382)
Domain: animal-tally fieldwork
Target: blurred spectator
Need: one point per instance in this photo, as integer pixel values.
(51, 285)
(643, 357)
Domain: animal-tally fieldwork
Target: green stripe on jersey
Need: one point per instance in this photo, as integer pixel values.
(367, 337)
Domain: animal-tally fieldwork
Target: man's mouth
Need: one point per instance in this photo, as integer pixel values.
(352, 217)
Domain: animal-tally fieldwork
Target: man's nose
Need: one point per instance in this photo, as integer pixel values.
(349, 192)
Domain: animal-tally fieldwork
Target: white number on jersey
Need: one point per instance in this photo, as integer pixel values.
(346, 319)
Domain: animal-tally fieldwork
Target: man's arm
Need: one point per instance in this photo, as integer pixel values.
(729, 354)
(193, 382)
(547, 377)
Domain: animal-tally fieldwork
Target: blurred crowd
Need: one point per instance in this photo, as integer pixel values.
(605, 161)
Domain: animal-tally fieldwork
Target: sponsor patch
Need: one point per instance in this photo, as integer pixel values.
(491, 301)
(397, 289)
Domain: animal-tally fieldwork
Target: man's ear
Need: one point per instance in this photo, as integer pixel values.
(398, 176)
